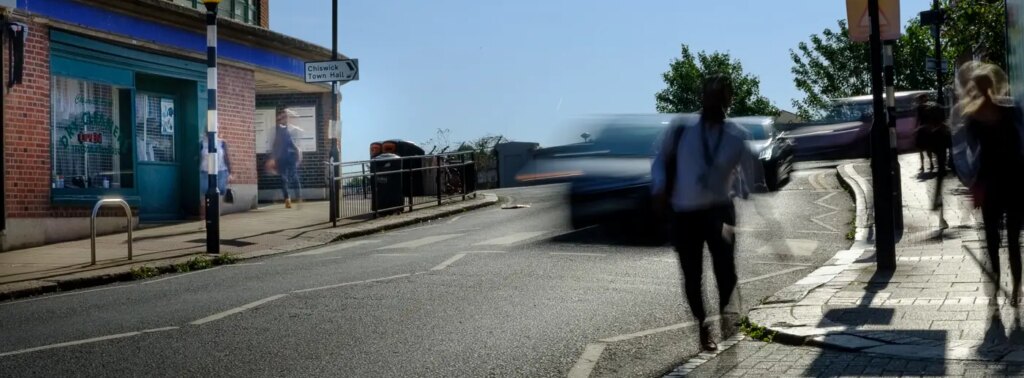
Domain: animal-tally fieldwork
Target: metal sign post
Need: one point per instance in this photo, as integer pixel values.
(881, 161)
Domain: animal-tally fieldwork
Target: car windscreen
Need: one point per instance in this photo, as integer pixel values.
(757, 131)
(627, 140)
(847, 111)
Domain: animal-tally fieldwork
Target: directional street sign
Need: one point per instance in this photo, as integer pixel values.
(332, 70)
(859, 20)
(929, 65)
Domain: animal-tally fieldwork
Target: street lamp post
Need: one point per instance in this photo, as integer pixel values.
(212, 192)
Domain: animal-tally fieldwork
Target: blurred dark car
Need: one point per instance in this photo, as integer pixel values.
(844, 130)
(609, 177)
(775, 153)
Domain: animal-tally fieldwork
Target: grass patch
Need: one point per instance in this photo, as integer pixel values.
(224, 260)
(850, 235)
(144, 272)
(755, 331)
(196, 263)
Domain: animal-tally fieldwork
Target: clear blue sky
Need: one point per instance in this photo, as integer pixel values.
(524, 68)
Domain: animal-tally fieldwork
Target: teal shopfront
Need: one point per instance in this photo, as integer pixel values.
(125, 123)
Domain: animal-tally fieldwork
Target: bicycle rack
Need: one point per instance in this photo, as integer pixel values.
(127, 215)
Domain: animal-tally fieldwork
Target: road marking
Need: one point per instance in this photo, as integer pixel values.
(572, 231)
(179, 275)
(222, 315)
(663, 259)
(320, 251)
(449, 261)
(648, 332)
(87, 341)
(578, 254)
(779, 263)
(822, 224)
(779, 273)
(827, 206)
(450, 221)
(162, 329)
(592, 353)
(66, 294)
(485, 252)
(585, 365)
(422, 241)
(813, 179)
(72, 343)
(349, 283)
(750, 229)
(512, 238)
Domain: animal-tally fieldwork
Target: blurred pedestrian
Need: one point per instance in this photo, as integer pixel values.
(223, 166)
(692, 176)
(286, 155)
(932, 133)
(992, 122)
(223, 169)
(933, 140)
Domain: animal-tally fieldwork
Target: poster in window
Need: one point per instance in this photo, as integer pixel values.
(167, 116)
(264, 122)
(305, 136)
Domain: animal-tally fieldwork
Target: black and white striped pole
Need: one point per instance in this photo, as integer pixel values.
(212, 192)
(890, 110)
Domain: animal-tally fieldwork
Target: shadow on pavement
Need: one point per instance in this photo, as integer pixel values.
(613, 234)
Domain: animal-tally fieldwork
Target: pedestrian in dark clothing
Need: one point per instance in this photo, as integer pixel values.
(993, 122)
(933, 136)
(286, 155)
(692, 178)
(934, 140)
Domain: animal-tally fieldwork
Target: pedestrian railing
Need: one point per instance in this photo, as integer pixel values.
(371, 188)
(127, 217)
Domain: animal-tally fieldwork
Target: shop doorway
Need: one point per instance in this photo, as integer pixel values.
(156, 146)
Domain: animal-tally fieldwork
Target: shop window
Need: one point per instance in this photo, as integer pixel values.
(154, 128)
(90, 149)
(239, 10)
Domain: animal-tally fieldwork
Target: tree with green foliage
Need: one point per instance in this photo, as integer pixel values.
(686, 76)
(832, 66)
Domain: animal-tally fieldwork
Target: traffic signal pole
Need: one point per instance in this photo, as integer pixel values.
(882, 137)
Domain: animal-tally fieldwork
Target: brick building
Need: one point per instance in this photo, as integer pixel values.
(107, 98)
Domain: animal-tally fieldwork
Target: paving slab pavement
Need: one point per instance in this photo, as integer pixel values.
(265, 231)
(934, 307)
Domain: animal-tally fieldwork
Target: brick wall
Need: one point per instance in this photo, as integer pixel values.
(311, 170)
(264, 14)
(236, 101)
(27, 130)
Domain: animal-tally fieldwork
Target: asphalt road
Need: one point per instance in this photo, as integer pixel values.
(493, 292)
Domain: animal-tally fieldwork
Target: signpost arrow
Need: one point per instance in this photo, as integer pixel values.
(332, 70)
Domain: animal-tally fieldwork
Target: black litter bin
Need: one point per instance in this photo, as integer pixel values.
(387, 184)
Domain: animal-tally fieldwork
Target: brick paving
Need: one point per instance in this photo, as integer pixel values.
(750, 358)
(933, 316)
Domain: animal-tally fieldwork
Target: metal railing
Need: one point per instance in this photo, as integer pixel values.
(127, 216)
(372, 188)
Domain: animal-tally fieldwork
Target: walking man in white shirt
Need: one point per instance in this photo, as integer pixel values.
(692, 176)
